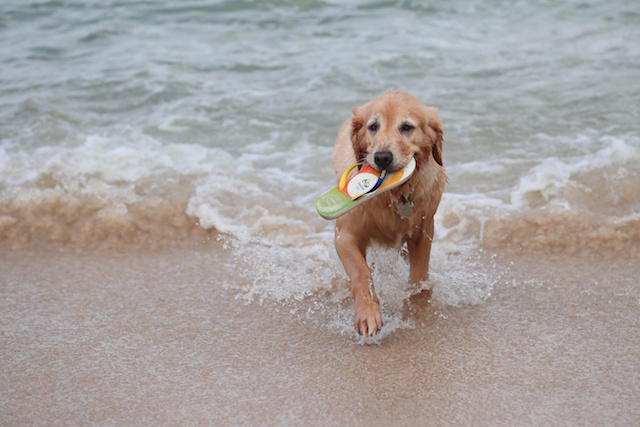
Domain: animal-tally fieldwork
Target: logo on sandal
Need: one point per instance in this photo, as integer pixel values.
(361, 184)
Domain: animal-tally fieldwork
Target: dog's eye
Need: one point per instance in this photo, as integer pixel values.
(406, 128)
(373, 127)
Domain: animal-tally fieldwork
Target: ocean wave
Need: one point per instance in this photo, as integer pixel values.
(581, 204)
(124, 187)
(105, 190)
(130, 187)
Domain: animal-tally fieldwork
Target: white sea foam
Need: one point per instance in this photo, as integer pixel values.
(553, 177)
(546, 179)
(261, 201)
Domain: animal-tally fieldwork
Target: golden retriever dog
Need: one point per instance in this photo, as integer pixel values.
(386, 133)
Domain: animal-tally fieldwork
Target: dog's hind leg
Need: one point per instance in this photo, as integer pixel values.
(419, 247)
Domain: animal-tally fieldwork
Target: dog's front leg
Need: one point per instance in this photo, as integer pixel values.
(419, 247)
(352, 253)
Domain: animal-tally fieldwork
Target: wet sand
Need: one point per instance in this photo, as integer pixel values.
(141, 337)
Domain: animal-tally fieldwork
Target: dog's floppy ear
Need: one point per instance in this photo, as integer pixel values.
(357, 135)
(436, 149)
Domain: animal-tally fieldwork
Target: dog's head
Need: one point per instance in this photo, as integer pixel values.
(394, 127)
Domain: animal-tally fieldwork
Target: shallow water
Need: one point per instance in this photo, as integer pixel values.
(162, 261)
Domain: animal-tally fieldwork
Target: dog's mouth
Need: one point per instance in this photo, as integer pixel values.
(390, 166)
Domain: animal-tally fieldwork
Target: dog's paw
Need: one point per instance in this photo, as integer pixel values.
(421, 299)
(368, 319)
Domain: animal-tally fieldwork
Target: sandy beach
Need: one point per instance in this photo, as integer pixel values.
(140, 337)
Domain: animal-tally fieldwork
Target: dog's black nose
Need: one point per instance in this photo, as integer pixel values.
(383, 159)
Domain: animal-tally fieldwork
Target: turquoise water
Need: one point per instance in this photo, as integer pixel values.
(132, 121)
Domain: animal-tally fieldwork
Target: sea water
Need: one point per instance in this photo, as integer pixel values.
(128, 125)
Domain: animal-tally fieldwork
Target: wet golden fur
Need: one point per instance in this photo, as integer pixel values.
(407, 128)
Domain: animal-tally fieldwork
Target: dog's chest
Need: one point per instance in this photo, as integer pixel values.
(393, 222)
